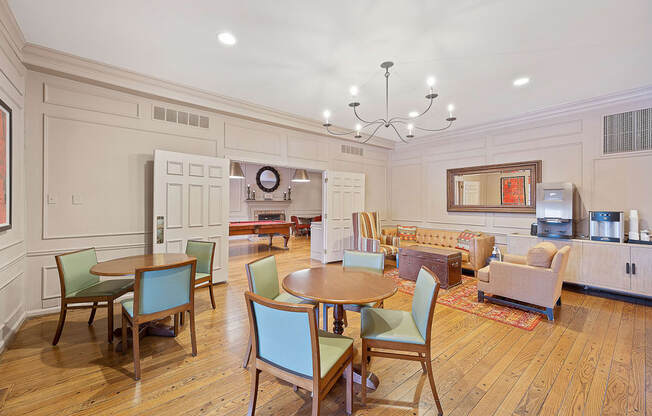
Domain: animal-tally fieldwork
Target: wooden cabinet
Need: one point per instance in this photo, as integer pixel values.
(641, 270)
(605, 265)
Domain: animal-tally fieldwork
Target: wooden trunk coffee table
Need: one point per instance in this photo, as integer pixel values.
(445, 263)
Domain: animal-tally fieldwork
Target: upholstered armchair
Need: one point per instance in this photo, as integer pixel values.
(367, 237)
(535, 279)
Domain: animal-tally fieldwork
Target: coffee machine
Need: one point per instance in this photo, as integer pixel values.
(555, 210)
(607, 226)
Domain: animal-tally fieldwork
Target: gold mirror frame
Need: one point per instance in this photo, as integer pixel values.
(534, 166)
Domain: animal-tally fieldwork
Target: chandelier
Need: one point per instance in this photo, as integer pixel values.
(390, 122)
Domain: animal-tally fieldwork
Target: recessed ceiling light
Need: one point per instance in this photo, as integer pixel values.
(227, 38)
(519, 82)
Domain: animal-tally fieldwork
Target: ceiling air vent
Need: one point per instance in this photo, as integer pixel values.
(180, 117)
(628, 132)
(352, 150)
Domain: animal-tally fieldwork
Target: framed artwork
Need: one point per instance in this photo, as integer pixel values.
(512, 190)
(5, 166)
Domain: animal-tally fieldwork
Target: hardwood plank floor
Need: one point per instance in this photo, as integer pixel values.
(594, 359)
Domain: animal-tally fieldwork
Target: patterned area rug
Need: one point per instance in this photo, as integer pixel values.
(465, 298)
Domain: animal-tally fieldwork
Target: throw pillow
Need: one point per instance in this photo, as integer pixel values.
(407, 232)
(465, 239)
(541, 255)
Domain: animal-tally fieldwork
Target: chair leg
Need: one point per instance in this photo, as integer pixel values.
(193, 336)
(109, 308)
(245, 362)
(136, 348)
(480, 296)
(176, 324)
(181, 318)
(346, 321)
(423, 364)
(559, 301)
(125, 340)
(253, 395)
(431, 378)
(62, 319)
(315, 404)
(210, 290)
(348, 373)
(550, 314)
(324, 318)
(92, 317)
(363, 373)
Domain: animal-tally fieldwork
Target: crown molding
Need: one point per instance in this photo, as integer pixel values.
(566, 109)
(50, 61)
(10, 29)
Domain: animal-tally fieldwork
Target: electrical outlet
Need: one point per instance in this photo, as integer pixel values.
(76, 199)
(52, 199)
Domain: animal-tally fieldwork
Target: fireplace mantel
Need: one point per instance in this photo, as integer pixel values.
(259, 206)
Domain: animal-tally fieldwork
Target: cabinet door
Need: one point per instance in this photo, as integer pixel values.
(642, 279)
(573, 268)
(603, 265)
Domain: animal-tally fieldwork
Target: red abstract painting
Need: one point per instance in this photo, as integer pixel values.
(512, 190)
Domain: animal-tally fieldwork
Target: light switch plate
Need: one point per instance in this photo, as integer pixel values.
(76, 199)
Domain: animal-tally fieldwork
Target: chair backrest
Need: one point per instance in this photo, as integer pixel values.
(74, 270)
(424, 301)
(294, 219)
(262, 277)
(317, 218)
(362, 260)
(365, 225)
(560, 260)
(284, 334)
(158, 289)
(204, 252)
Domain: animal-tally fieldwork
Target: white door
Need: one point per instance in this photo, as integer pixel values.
(191, 202)
(343, 195)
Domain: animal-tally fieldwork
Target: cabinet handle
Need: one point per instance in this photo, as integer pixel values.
(627, 268)
(633, 268)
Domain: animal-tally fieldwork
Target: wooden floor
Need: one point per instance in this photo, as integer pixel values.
(596, 358)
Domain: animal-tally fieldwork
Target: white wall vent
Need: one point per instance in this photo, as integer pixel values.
(628, 132)
(352, 150)
(180, 117)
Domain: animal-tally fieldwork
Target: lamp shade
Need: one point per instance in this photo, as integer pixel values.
(236, 170)
(300, 175)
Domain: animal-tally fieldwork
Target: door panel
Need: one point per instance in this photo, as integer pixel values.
(604, 265)
(190, 202)
(343, 195)
(642, 278)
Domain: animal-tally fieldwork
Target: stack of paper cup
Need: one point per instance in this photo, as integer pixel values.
(633, 225)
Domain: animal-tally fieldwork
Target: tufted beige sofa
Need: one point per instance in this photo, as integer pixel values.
(474, 259)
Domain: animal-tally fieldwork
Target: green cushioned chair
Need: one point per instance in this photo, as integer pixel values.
(79, 286)
(160, 292)
(357, 260)
(407, 332)
(262, 277)
(288, 344)
(204, 251)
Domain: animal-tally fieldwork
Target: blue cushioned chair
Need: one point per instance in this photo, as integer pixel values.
(80, 286)
(357, 260)
(204, 251)
(160, 292)
(288, 344)
(403, 331)
(262, 277)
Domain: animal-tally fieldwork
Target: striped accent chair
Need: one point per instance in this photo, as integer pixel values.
(367, 236)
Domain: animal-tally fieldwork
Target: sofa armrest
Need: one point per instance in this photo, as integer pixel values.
(536, 285)
(480, 251)
(514, 258)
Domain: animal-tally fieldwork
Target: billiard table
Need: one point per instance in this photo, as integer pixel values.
(261, 228)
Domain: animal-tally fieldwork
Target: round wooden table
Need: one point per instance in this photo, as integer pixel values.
(128, 265)
(125, 266)
(338, 287)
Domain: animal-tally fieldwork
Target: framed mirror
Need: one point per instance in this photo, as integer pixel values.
(506, 187)
(268, 179)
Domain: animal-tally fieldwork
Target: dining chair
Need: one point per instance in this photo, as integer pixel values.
(80, 287)
(262, 278)
(407, 332)
(160, 291)
(357, 260)
(204, 251)
(288, 344)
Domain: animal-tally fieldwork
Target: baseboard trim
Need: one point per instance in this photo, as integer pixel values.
(12, 332)
(609, 293)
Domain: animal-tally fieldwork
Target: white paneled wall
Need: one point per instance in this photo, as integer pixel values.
(90, 153)
(569, 146)
(12, 242)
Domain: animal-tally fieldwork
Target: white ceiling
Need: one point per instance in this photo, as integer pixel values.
(301, 56)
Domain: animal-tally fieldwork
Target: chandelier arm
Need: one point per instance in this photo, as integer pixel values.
(366, 121)
(398, 134)
(351, 131)
(450, 123)
(413, 118)
(372, 134)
